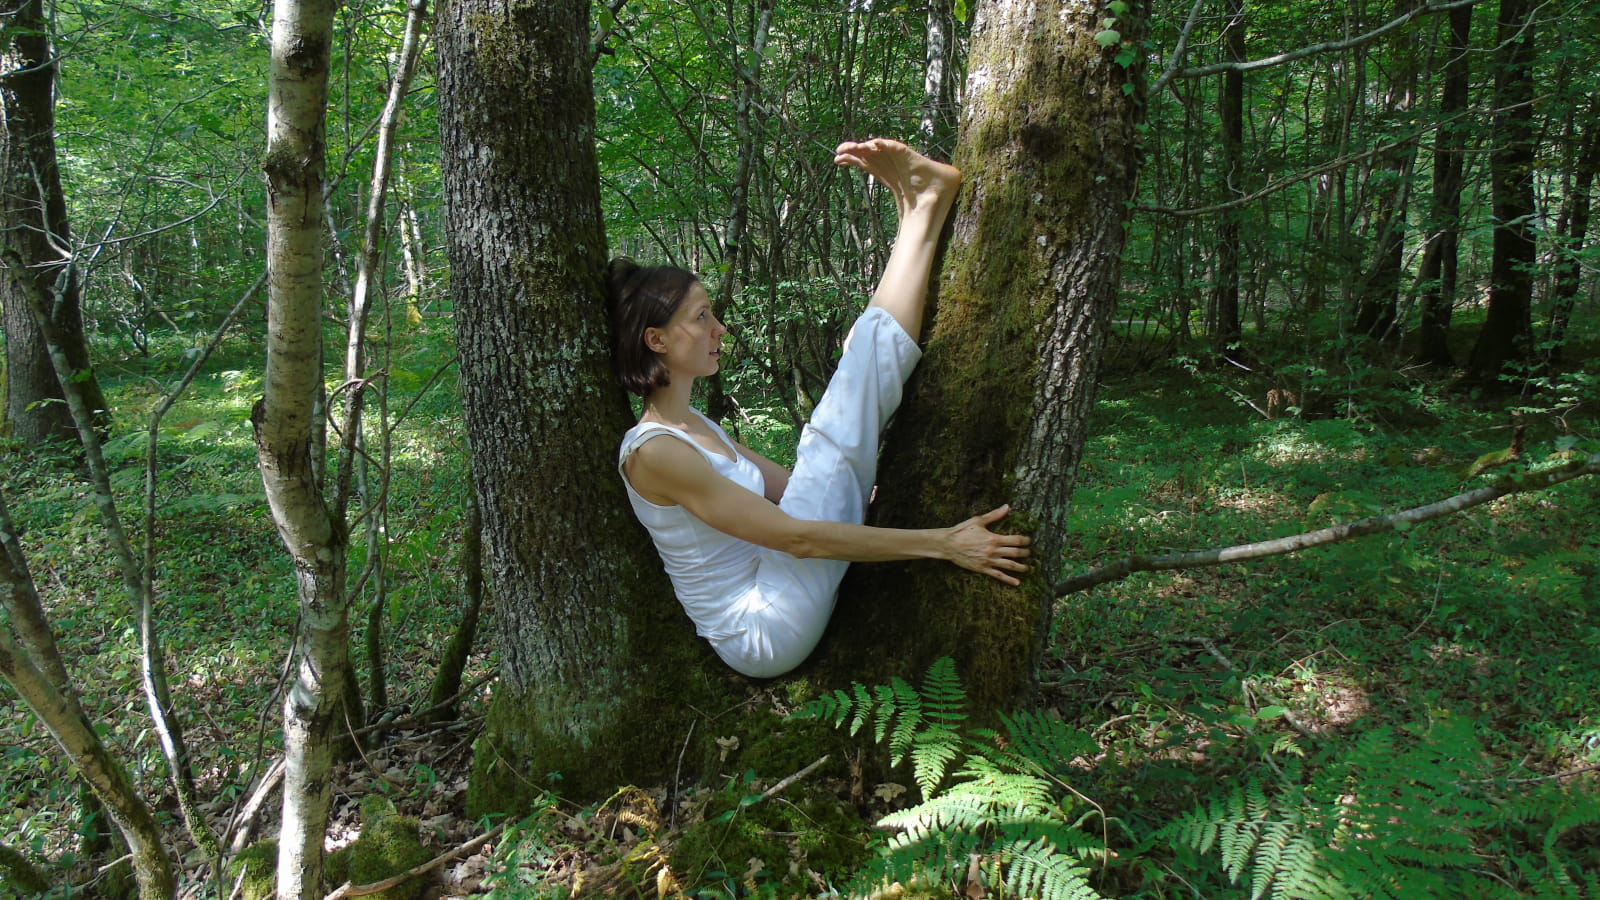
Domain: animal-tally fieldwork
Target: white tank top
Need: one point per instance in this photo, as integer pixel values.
(710, 570)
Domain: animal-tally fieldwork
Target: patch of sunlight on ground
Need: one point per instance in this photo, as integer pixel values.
(1325, 697)
(1291, 446)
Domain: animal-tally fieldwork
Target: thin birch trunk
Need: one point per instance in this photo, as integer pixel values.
(285, 422)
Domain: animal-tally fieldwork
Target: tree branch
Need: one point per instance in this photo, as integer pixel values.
(1325, 47)
(1194, 559)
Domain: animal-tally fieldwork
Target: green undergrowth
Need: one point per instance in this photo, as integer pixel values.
(1272, 728)
(224, 592)
(1232, 695)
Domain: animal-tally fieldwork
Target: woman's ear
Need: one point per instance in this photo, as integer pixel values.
(655, 339)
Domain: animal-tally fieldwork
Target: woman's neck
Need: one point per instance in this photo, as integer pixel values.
(670, 404)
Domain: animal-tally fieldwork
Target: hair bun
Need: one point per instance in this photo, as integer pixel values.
(618, 272)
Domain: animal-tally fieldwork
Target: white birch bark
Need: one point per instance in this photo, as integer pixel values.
(285, 425)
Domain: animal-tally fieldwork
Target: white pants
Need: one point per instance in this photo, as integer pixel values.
(784, 612)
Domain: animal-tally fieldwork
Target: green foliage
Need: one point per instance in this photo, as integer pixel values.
(1389, 817)
(1001, 796)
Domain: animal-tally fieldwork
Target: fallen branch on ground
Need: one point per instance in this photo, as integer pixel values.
(1194, 559)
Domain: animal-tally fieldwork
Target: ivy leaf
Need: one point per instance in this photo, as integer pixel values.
(1117, 6)
(1108, 38)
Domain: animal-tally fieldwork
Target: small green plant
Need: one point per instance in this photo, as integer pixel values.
(996, 805)
(517, 868)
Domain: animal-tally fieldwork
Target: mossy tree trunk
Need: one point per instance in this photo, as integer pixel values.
(35, 238)
(1388, 191)
(997, 412)
(599, 667)
(1572, 230)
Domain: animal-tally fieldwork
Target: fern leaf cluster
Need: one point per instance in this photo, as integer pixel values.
(998, 796)
(1382, 819)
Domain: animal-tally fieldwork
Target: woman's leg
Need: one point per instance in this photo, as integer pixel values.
(924, 191)
(836, 462)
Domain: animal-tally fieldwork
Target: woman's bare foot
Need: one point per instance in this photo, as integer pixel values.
(917, 182)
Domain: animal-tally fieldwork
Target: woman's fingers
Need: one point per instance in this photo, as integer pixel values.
(995, 515)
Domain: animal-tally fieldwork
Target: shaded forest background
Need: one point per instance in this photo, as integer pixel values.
(1358, 277)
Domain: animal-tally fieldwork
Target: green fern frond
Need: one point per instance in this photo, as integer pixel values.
(862, 707)
(1004, 799)
(902, 706)
(944, 700)
(938, 855)
(1037, 868)
(1048, 742)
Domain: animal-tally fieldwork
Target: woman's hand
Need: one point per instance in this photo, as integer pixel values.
(973, 546)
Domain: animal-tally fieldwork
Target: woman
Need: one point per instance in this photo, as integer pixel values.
(755, 552)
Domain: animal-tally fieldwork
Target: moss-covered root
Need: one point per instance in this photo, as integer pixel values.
(255, 871)
(17, 872)
(388, 845)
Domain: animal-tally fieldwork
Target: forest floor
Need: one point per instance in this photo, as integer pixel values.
(1463, 653)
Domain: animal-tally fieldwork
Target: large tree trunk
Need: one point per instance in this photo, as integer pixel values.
(1437, 274)
(317, 702)
(997, 411)
(36, 243)
(1507, 335)
(598, 664)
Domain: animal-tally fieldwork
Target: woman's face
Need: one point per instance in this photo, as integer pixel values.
(691, 342)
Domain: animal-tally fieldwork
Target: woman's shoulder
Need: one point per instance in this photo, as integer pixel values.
(637, 437)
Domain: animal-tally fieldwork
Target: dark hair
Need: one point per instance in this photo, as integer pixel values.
(641, 297)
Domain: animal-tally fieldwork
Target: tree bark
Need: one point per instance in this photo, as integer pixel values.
(35, 237)
(1572, 229)
(1389, 190)
(1437, 273)
(285, 420)
(1224, 307)
(998, 409)
(599, 668)
(1507, 335)
(939, 79)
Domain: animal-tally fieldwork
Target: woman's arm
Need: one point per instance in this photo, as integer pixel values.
(673, 470)
(775, 477)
